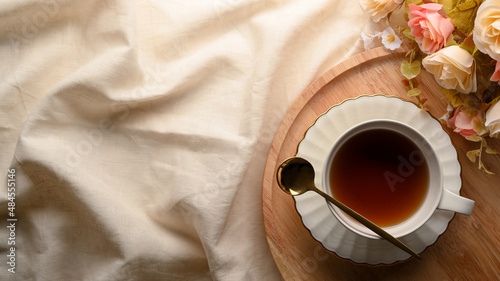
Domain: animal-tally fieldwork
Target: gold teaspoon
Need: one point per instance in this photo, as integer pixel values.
(296, 176)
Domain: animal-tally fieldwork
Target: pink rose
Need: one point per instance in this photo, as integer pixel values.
(465, 124)
(431, 29)
(496, 74)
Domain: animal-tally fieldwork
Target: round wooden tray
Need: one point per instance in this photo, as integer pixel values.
(468, 250)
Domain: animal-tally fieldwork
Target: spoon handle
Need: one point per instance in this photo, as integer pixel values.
(384, 234)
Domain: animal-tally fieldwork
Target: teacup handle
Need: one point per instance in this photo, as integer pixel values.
(456, 203)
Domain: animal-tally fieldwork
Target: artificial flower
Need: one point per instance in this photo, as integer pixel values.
(487, 28)
(368, 40)
(430, 29)
(448, 35)
(496, 74)
(454, 68)
(390, 40)
(464, 124)
(379, 9)
(493, 120)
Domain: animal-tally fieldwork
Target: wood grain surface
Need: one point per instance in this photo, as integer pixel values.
(470, 247)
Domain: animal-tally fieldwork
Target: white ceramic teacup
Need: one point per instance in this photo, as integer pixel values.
(437, 197)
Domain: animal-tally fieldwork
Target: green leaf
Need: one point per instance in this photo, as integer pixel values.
(410, 71)
(414, 92)
(407, 33)
(463, 15)
(472, 155)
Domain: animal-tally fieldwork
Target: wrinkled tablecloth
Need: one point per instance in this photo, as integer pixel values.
(136, 132)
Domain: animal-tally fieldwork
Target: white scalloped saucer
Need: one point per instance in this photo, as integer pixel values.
(317, 142)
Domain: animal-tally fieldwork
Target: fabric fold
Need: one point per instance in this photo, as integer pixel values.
(139, 130)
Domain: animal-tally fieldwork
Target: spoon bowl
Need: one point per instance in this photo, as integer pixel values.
(295, 176)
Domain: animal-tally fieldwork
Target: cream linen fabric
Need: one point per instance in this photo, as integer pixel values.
(139, 130)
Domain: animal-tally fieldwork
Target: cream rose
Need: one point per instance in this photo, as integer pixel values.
(454, 68)
(379, 9)
(487, 28)
(493, 120)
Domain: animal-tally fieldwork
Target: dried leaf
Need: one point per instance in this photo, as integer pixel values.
(463, 15)
(478, 126)
(468, 44)
(416, 2)
(414, 92)
(495, 100)
(485, 67)
(474, 138)
(410, 71)
(491, 151)
(406, 83)
(451, 42)
(472, 155)
(423, 109)
(414, 83)
(448, 5)
(487, 171)
(456, 99)
(482, 167)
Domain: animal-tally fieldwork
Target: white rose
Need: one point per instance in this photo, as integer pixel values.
(454, 68)
(487, 28)
(493, 119)
(378, 9)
